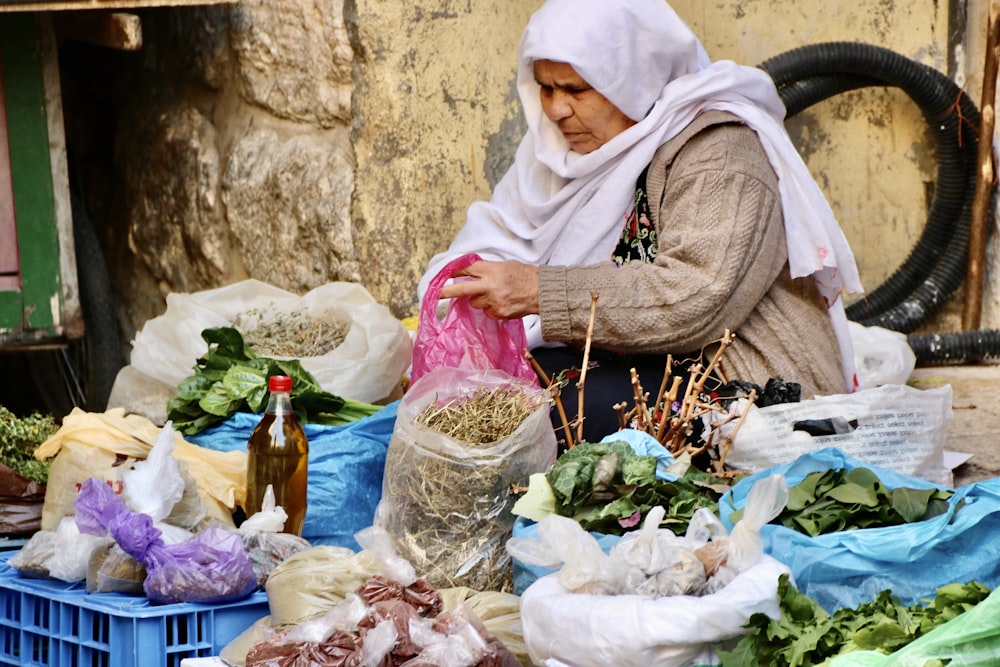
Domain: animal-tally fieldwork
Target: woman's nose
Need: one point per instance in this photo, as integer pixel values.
(558, 106)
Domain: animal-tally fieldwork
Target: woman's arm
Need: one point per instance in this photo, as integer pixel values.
(720, 247)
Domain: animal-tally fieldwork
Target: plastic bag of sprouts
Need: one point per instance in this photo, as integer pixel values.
(462, 438)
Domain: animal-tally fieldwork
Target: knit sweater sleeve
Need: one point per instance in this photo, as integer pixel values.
(720, 247)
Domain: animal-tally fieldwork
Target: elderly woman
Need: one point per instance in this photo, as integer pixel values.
(666, 184)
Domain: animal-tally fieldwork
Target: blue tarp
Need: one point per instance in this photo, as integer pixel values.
(847, 568)
(346, 465)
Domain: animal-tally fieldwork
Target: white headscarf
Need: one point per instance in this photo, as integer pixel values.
(555, 206)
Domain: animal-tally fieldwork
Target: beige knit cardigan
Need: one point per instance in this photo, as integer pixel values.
(721, 263)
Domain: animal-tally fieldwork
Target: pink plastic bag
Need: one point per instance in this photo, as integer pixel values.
(467, 338)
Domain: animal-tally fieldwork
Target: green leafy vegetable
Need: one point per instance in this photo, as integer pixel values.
(806, 634)
(19, 438)
(230, 378)
(836, 500)
(608, 488)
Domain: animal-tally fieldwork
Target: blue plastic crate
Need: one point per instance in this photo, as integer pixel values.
(56, 624)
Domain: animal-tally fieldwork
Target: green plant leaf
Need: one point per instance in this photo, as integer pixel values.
(230, 378)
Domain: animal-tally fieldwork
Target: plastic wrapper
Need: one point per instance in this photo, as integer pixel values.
(420, 595)
(111, 570)
(461, 638)
(896, 427)
(314, 581)
(367, 366)
(638, 631)
(63, 553)
(850, 567)
(972, 639)
(499, 612)
(264, 540)
(387, 632)
(211, 567)
(447, 503)
(277, 651)
(651, 599)
(881, 356)
(651, 562)
(21, 501)
(467, 338)
(346, 464)
(106, 445)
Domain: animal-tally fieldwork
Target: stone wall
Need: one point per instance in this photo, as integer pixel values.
(300, 142)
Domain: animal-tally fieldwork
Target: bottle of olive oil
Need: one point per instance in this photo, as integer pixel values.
(278, 454)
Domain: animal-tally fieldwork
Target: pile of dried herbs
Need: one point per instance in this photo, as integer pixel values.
(482, 417)
(608, 488)
(447, 483)
(297, 334)
(806, 635)
(19, 438)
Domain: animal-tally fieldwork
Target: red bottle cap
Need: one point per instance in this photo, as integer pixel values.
(279, 383)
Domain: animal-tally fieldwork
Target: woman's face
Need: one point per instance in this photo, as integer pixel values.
(585, 117)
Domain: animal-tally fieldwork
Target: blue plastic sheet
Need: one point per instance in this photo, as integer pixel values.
(847, 568)
(346, 465)
(645, 445)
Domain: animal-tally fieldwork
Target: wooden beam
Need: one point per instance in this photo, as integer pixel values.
(114, 30)
(985, 178)
(71, 5)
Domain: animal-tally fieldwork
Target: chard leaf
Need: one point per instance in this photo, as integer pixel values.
(912, 504)
(229, 347)
(230, 378)
(632, 487)
(637, 469)
(219, 402)
(805, 634)
(193, 387)
(836, 500)
(851, 493)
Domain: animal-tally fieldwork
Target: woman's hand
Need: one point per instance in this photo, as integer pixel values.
(502, 290)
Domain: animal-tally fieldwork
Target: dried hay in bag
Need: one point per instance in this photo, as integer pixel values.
(447, 502)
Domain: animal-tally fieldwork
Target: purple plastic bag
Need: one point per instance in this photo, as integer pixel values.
(211, 567)
(467, 338)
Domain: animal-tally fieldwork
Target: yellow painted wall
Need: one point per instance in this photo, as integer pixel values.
(437, 120)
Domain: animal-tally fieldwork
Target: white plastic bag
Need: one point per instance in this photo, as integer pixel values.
(155, 485)
(637, 631)
(894, 426)
(367, 366)
(765, 501)
(881, 356)
(263, 537)
(62, 554)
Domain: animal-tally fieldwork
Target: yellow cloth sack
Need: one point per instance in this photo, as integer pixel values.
(103, 445)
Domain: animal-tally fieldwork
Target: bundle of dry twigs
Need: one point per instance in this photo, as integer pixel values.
(674, 414)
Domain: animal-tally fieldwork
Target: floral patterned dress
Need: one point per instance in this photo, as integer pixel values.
(638, 239)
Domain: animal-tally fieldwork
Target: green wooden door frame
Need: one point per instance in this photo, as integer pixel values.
(35, 311)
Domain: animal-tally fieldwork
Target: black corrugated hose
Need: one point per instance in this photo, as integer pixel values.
(936, 265)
